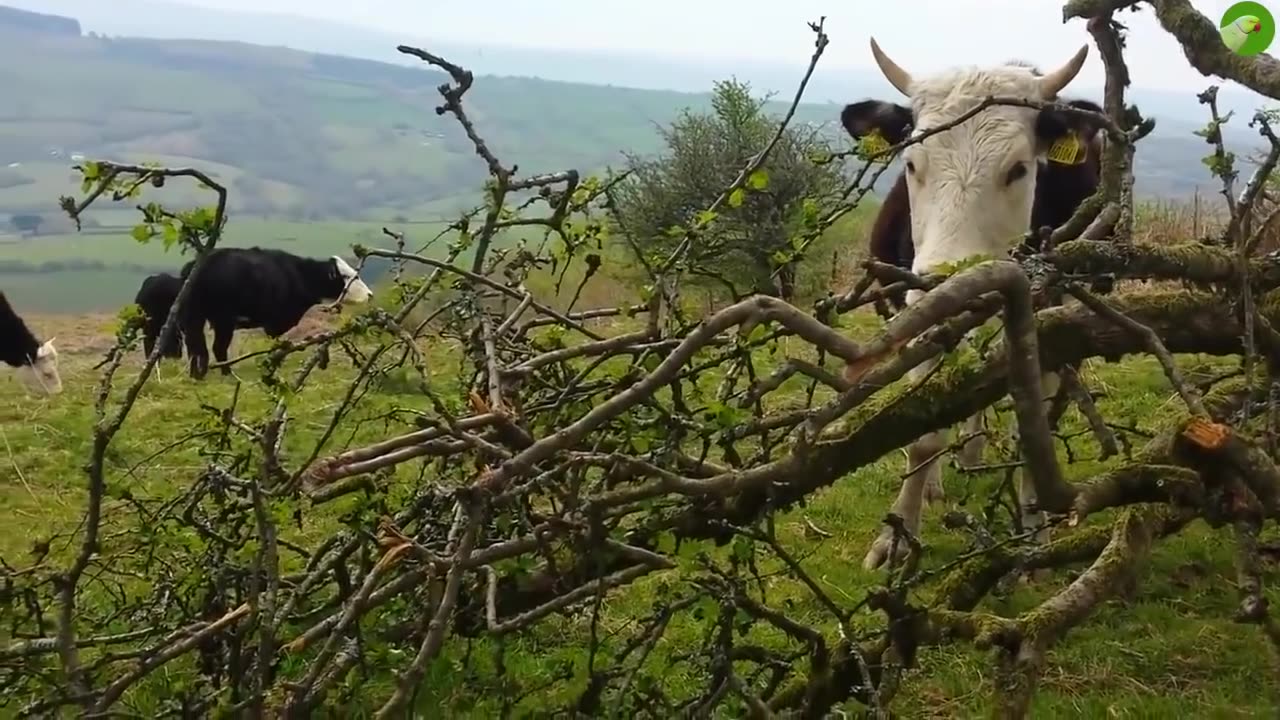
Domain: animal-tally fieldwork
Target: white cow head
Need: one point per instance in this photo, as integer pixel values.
(355, 291)
(971, 187)
(41, 376)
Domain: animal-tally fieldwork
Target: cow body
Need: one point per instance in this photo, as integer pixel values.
(155, 297)
(973, 189)
(258, 288)
(35, 363)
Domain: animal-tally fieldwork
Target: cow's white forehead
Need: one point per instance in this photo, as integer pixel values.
(344, 268)
(938, 98)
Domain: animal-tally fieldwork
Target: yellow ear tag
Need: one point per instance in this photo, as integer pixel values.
(872, 144)
(1066, 151)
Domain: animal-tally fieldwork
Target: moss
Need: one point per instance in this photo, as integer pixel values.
(1131, 536)
(1062, 334)
(984, 629)
(913, 405)
(1183, 260)
(964, 587)
(1080, 545)
(1268, 304)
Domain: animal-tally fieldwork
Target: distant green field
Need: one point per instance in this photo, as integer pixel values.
(71, 291)
(116, 245)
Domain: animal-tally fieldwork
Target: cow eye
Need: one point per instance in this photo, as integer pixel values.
(911, 167)
(1016, 173)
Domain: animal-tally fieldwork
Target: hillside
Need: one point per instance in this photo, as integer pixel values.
(831, 82)
(299, 135)
(310, 136)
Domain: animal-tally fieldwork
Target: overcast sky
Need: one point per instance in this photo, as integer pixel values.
(921, 35)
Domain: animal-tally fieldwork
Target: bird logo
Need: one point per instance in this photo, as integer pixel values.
(1236, 33)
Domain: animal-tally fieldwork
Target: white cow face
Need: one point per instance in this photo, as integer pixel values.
(41, 376)
(971, 187)
(356, 291)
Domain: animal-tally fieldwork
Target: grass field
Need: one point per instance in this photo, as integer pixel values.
(1170, 650)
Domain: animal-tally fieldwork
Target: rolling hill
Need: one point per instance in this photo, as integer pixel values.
(295, 135)
(312, 136)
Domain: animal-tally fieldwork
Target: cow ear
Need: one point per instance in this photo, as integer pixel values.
(1053, 125)
(1087, 127)
(890, 119)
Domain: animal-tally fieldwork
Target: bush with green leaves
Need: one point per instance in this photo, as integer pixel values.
(755, 244)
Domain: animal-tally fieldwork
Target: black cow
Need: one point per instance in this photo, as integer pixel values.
(258, 288)
(35, 363)
(156, 296)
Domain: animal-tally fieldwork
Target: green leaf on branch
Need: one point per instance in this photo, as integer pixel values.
(758, 333)
(200, 219)
(809, 213)
(724, 416)
(171, 235)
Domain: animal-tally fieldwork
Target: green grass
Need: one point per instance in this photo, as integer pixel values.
(119, 247)
(1170, 650)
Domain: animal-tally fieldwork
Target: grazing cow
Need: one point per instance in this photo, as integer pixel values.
(35, 363)
(973, 189)
(156, 296)
(258, 288)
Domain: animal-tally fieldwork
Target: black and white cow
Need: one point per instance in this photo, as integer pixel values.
(35, 363)
(258, 288)
(973, 189)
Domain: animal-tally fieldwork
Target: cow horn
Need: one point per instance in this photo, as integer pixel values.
(1053, 82)
(900, 78)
